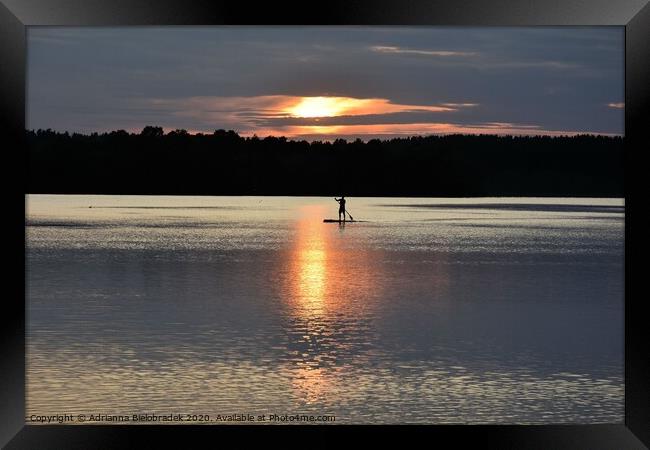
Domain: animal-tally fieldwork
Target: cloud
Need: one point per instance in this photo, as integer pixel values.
(408, 51)
(482, 61)
(249, 113)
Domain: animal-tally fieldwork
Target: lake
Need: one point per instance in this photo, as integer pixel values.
(431, 310)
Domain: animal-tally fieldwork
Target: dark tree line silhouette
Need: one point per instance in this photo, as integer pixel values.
(224, 163)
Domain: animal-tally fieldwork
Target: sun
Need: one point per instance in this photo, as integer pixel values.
(317, 107)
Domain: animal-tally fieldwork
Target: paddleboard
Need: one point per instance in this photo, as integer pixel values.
(341, 221)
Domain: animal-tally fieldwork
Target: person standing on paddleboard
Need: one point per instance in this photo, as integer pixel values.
(341, 207)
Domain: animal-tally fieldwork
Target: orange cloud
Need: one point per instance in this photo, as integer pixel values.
(275, 115)
(339, 106)
(250, 113)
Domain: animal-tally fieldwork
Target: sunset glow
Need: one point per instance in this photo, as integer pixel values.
(310, 107)
(319, 117)
(318, 107)
(327, 118)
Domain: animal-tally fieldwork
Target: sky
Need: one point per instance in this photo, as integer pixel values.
(322, 83)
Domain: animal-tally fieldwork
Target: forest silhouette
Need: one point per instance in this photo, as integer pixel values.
(224, 163)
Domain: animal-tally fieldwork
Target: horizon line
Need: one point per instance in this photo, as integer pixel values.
(346, 138)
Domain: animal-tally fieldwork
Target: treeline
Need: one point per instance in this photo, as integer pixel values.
(224, 163)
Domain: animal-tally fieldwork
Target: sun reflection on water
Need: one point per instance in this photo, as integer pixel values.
(330, 294)
(311, 279)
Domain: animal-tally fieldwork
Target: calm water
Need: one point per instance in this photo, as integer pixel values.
(432, 311)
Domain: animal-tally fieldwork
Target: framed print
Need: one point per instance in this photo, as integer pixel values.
(367, 216)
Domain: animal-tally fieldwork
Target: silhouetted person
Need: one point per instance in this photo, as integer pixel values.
(341, 207)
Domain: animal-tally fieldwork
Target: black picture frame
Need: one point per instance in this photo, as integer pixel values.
(16, 15)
